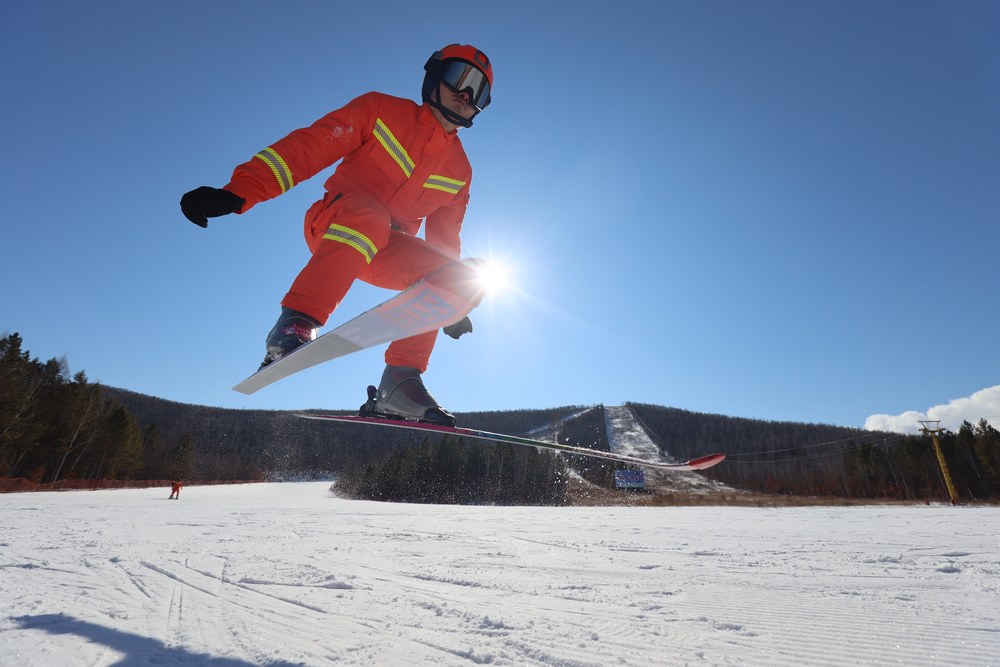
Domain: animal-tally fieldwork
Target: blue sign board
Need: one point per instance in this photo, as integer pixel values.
(630, 479)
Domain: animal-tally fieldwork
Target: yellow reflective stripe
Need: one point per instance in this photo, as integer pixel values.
(278, 165)
(393, 147)
(353, 238)
(443, 183)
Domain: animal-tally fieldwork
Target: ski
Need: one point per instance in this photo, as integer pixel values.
(420, 308)
(700, 463)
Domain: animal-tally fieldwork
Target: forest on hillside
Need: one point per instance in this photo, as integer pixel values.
(54, 427)
(822, 460)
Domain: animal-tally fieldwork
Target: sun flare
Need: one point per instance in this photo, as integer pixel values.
(493, 276)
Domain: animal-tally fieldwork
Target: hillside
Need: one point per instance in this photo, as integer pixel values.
(53, 428)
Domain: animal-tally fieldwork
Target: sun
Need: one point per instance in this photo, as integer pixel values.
(493, 276)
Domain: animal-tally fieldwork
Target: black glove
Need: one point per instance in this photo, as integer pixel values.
(463, 326)
(203, 203)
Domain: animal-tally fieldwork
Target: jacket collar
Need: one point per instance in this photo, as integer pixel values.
(427, 116)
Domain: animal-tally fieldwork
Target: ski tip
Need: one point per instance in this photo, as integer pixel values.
(257, 381)
(706, 461)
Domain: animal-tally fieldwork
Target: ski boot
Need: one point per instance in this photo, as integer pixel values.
(401, 395)
(293, 329)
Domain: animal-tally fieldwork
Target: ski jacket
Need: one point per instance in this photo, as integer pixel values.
(394, 151)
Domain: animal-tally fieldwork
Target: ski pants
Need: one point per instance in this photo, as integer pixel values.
(351, 236)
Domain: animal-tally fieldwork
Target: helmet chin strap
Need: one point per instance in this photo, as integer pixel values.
(448, 114)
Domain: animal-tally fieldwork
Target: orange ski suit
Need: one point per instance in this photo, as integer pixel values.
(399, 167)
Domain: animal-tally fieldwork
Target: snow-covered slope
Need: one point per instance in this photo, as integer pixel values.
(288, 574)
(627, 436)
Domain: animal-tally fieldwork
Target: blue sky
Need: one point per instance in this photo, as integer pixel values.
(777, 210)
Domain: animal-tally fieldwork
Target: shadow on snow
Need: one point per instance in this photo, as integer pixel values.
(136, 649)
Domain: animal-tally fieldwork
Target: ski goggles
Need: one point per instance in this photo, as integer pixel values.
(463, 77)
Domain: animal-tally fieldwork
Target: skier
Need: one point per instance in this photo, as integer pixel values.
(403, 163)
(175, 490)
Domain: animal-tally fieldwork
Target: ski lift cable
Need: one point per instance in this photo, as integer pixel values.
(880, 440)
(860, 443)
(735, 458)
(655, 439)
(732, 458)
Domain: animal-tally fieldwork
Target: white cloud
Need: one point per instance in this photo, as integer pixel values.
(983, 403)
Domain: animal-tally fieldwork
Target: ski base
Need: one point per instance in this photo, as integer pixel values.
(700, 463)
(423, 307)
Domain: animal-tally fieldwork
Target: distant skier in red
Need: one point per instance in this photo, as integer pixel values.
(403, 164)
(175, 490)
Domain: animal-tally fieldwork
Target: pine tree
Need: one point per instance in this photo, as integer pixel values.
(987, 449)
(184, 463)
(153, 453)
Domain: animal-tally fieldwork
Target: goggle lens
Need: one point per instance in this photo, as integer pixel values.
(465, 77)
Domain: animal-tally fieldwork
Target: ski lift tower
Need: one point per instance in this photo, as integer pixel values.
(940, 456)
